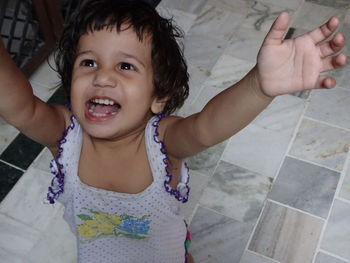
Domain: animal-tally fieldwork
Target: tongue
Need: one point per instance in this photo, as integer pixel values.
(105, 109)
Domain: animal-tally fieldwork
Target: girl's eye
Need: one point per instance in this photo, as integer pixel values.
(126, 66)
(88, 63)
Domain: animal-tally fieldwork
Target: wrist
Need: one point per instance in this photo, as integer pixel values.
(255, 84)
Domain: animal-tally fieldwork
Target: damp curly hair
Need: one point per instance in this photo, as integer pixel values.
(170, 75)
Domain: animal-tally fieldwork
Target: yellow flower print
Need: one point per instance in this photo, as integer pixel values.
(108, 217)
(106, 228)
(99, 224)
(88, 229)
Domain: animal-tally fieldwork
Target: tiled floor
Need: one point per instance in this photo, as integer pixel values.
(278, 191)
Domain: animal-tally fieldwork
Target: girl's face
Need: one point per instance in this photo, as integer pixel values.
(112, 83)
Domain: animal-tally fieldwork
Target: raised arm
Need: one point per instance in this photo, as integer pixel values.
(20, 108)
(283, 66)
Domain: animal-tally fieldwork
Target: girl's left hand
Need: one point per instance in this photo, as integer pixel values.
(287, 66)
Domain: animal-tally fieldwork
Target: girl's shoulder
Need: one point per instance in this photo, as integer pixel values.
(165, 123)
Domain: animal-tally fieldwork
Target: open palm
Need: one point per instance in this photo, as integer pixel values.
(287, 66)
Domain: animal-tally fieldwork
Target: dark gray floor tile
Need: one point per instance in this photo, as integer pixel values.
(8, 178)
(236, 192)
(217, 238)
(305, 186)
(21, 152)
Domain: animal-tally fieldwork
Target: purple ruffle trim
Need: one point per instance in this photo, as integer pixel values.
(182, 191)
(57, 183)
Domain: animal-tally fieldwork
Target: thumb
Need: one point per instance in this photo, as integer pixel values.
(277, 30)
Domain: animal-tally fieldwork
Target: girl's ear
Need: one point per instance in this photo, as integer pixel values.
(158, 105)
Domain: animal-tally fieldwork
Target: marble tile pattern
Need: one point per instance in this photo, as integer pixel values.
(324, 258)
(57, 241)
(322, 144)
(236, 192)
(288, 4)
(42, 161)
(30, 208)
(10, 257)
(276, 192)
(320, 106)
(222, 23)
(336, 238)
(251, 257)
(305, 186)
(206, 161)
(279, 232)
(189, 6)
(261, 15)
(332, 3)
(217, 238)
(311, 15)
(235, 6)
(261, 146)
(345, 187)
(245, 43)
(227, 71)
(16, 237)
(198, 182)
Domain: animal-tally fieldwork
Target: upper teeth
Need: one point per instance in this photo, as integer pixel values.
(102, 101)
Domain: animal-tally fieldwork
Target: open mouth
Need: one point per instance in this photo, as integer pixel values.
(102, 107)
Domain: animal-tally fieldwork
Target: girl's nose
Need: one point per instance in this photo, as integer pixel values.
(105, 78)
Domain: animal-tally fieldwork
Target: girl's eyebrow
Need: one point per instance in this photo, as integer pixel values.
(84, 53)
(127, 55)
(124, 54)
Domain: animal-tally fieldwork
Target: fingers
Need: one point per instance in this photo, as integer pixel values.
(330, 63)
(277, 30)
(333, 46)
(325, 82)
(323, 32)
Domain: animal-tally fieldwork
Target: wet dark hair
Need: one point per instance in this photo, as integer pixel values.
(170, 74)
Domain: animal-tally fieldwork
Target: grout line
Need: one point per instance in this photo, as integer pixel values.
(335, 256)
(193, 213)
(216, 212)
(296, 209)
(263, 256)
(340, 182)
(327, 123)
(24, 223)
(342, 88)
(305, 102)
(256, 225)
(343, 200)
(13, 166)
(296, 129)
(313, 163)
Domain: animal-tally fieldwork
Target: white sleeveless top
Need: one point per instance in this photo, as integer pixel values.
(120, 227)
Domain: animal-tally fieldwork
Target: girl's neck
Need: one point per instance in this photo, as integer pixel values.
(131, 141)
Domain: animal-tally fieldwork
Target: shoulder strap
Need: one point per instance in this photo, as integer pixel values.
(158, 160)
(66, 161)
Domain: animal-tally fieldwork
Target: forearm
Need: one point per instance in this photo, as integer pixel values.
(231, 110)
(15, 90)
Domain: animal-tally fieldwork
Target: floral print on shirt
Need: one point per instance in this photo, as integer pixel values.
(99, 224)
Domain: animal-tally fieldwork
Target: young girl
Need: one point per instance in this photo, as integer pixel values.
(118, 168)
